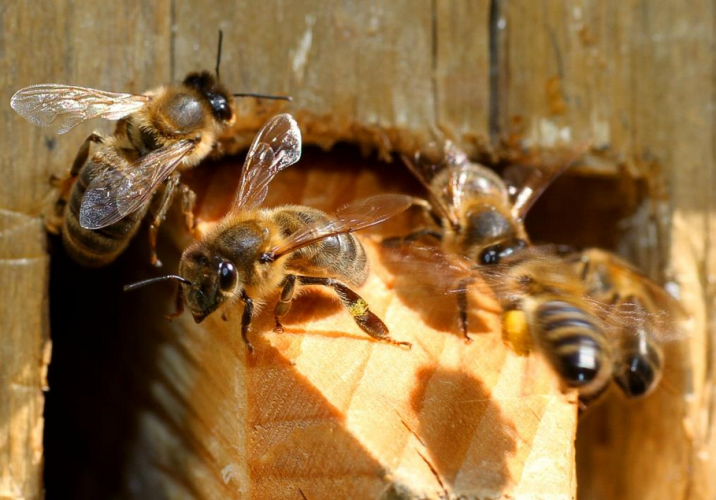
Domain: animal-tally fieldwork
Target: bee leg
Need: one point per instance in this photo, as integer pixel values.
(83, 153)
(284, 302)
(357, 307)
(161, 212)
(63, 185)
(188, 201)
(422, 233)
(246, 320)
(179, 301)
(584, 273)
(462, 309)
(396, 241)
(429, 210)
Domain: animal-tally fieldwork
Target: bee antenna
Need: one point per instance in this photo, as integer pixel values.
(140, 284)
(218, 55)
(264, 96)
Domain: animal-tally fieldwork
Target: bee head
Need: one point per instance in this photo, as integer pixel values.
(211, 280)
(218, 98)
(495, 253)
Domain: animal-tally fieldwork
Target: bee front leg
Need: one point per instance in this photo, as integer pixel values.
(179, 304)
(246, 320)
(160, 214)
(284, 302)
(357, 307)
(462, 307)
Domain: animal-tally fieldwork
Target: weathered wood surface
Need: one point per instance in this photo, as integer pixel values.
(634, 77)
(120, 46)
(637, 78)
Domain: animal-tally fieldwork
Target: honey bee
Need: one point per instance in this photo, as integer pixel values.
(478, 214)
(159, 134)
(544, 305)
(639, 312)
(253, 252)
(589, 313)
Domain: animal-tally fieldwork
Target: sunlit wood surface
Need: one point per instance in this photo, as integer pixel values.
(633, 78)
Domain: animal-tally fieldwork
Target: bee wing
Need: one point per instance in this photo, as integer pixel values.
(431, 281)
(66, 106)
(275, 147)
(530, 177)
(352, 217)
(425, 166)
(429, 266)
(115, 193)
(658, 314)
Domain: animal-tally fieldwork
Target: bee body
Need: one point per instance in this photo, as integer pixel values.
(253, 252)
(97, 248)
(573, 341)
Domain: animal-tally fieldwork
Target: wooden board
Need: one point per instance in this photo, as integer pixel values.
(68, 42)
(324, 411)
(634, 78)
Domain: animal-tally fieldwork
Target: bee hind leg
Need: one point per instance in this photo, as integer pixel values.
(54, 214)
(83, 153)
(358, 308)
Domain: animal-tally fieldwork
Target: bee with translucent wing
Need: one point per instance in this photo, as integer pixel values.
(592, 315)
(253, 252)
(161, 132)
(639, 312)
(477, 213)
(534, 284)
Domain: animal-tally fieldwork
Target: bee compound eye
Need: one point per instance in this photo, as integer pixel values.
(490, 255)
(220, 107)
(227, 276)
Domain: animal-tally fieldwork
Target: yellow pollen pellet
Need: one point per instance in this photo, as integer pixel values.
(359, 308)
(516, 332)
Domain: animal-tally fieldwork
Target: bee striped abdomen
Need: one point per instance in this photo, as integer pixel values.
(341, 257)
(638, 368)
(95, 248)
(575, 344)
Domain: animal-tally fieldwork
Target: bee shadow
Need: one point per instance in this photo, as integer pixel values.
(466, 438)
(425, 293)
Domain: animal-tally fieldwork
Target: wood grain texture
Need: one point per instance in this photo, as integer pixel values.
(324, 411)
(634, 78)
(64, 42)
(637, 79)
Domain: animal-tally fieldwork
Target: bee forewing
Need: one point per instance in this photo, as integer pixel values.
(662, 320)
(275, 147)
(116, 193)
(530, 177)
(429, 267)
(352, 217)
(66, 106)
(425, 166)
